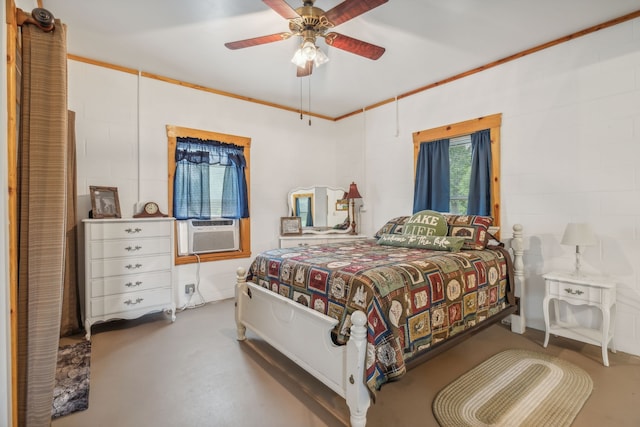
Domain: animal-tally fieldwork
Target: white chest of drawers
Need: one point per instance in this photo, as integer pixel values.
(128, 269)
(317, 239)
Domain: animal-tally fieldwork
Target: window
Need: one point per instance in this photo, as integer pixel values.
(303, 205)
(208, 176)
(459, 156)
(459, 173)
(209, 180)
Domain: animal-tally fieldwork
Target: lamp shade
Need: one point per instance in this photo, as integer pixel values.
(308, 51)
(578, 234)
(320, 58)
(353, 192)
(299, 59)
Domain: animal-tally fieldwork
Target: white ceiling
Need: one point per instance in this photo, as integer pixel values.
(425, 40)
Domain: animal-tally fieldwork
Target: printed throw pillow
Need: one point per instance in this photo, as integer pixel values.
(393, 226)
(426, 223)
(473, 228)
(436, 243)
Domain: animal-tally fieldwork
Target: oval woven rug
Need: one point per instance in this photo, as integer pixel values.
(515, 388)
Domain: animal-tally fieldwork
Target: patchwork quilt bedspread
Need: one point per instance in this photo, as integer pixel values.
(413, 298)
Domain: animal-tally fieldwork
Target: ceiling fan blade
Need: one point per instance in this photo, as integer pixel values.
(306, 70)
(282, 8)
(352, 45)
(240, 44)
(349, 9)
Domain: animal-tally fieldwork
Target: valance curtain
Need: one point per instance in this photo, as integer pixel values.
(192, 186)
(480, 182)
(432, 188)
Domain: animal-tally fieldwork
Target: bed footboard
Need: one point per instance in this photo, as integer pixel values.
(304, 336)
(518, 324)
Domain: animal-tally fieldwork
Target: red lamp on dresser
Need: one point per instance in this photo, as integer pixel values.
(352, 195)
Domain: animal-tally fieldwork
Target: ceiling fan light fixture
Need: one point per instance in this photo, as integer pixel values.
(309, 22)
(299, 59)
(321, 58)
(309, 50)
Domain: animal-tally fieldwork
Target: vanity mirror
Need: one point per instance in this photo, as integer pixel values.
(322, 209)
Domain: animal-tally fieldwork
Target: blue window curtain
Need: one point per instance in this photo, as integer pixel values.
(432, 188)
(191, 185)
(480, 182)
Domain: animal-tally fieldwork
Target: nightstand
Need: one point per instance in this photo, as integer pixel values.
(596, 291)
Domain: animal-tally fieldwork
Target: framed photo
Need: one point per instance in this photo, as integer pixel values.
(104, 202)
(342, 205)
(290, 226)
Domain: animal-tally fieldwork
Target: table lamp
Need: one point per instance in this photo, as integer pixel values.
(578, 234)
(351, 196)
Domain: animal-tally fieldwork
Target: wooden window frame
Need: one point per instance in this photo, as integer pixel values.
(493, 123)
(174, 132)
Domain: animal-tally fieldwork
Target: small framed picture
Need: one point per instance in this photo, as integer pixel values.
(104, 202)
(290, 226)
(342, 205)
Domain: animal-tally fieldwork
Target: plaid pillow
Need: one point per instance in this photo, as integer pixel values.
(393, 226)
(474, 228)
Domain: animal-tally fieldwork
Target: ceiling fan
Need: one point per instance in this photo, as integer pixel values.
(310, 22)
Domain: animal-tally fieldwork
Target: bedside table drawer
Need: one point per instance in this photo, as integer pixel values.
(574, 291)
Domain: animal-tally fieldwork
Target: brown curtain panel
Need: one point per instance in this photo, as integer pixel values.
(70, 321)
(42, 169)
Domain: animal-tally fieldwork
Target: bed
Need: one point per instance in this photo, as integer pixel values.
(356, 315)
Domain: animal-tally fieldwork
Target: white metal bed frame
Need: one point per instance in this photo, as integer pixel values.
(281, 322)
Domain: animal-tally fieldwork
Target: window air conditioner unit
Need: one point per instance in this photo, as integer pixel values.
(208, 235)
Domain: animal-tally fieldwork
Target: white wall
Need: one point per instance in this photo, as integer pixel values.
(570, 151)
(122, 142)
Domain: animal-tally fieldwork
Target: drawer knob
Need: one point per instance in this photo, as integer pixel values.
(137, 301)
(133, 230)
(133, 248)
(130, 285)
(132, 267)
(572, 292)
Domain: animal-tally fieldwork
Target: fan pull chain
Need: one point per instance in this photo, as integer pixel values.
(309, 109)
(300, 99)
(397, 118)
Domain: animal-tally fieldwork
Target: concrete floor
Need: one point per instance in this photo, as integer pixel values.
(150, 372)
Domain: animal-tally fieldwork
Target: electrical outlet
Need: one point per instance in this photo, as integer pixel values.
(190, 289)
